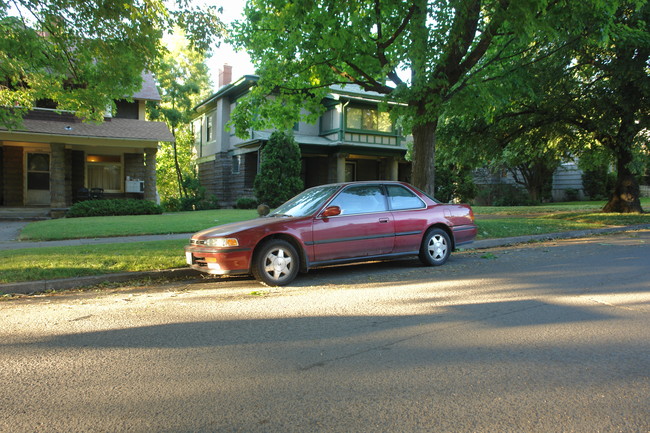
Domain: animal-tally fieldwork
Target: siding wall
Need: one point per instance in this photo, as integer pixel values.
(567, 177)
(645, 190)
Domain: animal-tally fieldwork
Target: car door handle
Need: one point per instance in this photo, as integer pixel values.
(383, 220)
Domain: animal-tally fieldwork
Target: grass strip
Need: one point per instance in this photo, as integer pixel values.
(131, 225)
(33, 264)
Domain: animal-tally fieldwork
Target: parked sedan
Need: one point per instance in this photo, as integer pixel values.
(332, 224)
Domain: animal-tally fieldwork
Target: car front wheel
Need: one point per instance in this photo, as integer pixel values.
(435, 248)
(276, 263)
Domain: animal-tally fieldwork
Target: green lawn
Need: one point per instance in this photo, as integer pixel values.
(32, 264)
(101, 227)
(64, 262)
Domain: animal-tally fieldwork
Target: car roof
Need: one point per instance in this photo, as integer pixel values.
(367, 182)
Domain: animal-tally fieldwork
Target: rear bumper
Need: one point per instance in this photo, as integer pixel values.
(464, 234)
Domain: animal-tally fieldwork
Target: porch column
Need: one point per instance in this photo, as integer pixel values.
(337, 167)
(57, 176)
(392, 169)
(150, 174)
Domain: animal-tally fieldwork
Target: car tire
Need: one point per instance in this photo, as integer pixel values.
(435, 248)
(275, 263)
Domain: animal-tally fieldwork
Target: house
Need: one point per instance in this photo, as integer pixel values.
(56, 159)
(352, 140)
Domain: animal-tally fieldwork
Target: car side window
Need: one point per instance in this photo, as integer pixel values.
(401, 198)
(358, 199)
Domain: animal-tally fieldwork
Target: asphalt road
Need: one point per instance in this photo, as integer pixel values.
(550, 337)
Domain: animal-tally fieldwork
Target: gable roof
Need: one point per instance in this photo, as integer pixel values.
(149, 91)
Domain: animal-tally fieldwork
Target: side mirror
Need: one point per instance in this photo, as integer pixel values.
(331, 211)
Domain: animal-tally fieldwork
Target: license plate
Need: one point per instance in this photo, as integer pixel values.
(188, 258)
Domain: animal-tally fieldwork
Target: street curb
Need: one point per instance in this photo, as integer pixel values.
(32, 287)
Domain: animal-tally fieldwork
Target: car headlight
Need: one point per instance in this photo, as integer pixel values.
(222, 242)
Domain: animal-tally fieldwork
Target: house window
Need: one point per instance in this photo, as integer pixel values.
(104, 171)
(368, 119)
(208, 128)
(236, 162)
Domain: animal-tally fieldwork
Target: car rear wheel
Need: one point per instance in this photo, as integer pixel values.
(435, 248)
(276, 263)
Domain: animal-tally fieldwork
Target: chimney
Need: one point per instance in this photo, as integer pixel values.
(225, 75)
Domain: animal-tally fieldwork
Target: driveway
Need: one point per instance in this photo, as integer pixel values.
(549, 337)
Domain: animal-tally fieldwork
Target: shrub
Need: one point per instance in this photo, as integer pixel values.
(503, 195)
(196, 198)
(246, 203)
(597, 183)
(279, 177)
(113, 207)
(571, 194)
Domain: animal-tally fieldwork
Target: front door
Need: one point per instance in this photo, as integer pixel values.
(364, 228)
(37, 178)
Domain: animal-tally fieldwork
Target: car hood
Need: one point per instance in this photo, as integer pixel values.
(232, 228)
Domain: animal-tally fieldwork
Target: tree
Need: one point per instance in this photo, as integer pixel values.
(575, 93)
(183, 81)
(303, 47)
(279, 177)
(614, 102)
(82, 56)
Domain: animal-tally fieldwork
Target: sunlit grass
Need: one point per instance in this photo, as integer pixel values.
(94, 227)
(573, 206)
(510, 227)
(32, 264)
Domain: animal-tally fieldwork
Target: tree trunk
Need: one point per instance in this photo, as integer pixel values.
(626, 195)
(625, 198)
(424, 156)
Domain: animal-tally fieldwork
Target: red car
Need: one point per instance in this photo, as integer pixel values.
(330, 224)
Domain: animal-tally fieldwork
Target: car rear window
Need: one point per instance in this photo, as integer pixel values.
(401, 198)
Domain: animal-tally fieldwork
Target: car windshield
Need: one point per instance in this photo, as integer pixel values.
(305, 203)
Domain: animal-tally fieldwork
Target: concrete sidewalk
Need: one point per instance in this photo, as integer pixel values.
(30, 287)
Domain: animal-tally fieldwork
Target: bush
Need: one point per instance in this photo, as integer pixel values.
(279, 176)
(246, 203)
(503, 195)
(113, 207)
(571, 194)
(598, 183)
(195, 200)
(175, 204)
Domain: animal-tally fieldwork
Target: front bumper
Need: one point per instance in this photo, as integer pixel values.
(218, 261)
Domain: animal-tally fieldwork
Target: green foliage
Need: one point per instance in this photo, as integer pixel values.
(454, 183)
(571, 194)
(167, 179)
(302, 47)
(502, 195)
(113, 207)
(246, 203)
(279, 177)
(196, 198)
(598, 182)
(183, 81)
(83, 56)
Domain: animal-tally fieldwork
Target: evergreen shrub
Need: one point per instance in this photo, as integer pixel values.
(246, 203)
(113, 207)
(279, 177)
